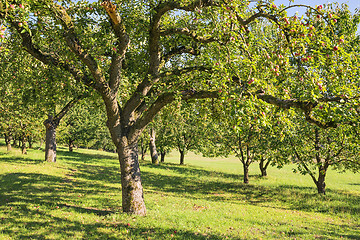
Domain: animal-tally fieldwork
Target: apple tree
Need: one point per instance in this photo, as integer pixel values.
(129, 52)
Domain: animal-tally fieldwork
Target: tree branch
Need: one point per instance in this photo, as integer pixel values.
(67, 107)
(75, 46)
(180, 50)
(166, 99)
(185, 31)
(122, 45)
(50, 58)
(181, 71)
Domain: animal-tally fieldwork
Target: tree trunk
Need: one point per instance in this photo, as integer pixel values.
(246, 173)
(152, 147)
(182, 157)
(132, 191)
(23, 145)
(50, 140)
(143, 147)
(8, 142)
(30, 141)
(320, 183)
(263, 167)
(162, 154)
(71, 145)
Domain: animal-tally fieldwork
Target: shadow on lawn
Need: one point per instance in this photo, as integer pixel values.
(229, 187)
(20, 192)
(83, 157)
(38, 206)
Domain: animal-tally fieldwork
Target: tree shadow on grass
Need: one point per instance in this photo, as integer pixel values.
(83, 157)
(38, 206)
(189, 170)
(19, 159)
(229, 187)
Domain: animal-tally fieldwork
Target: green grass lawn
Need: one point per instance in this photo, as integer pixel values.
(79, 197)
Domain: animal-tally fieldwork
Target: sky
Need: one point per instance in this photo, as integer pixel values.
(353, 4)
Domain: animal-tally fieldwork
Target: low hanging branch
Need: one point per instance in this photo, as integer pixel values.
(305, 106)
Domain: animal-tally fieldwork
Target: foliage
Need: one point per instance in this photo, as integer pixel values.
(84, 126)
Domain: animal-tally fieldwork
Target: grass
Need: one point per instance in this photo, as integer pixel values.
(79, 198)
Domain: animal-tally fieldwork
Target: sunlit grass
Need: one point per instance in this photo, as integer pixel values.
(79, 197)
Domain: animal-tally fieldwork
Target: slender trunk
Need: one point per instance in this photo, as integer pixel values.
(152, 147)
(71, 145)
(50, 140)
(246, 173)
(182, 157)
(263, 167)
(132, 191)
(8, 142)
(143, 147)
(30, 141)
(23, 145)
(162, 154)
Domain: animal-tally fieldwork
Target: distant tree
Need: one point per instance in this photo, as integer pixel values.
(315, 150)
(244, 128)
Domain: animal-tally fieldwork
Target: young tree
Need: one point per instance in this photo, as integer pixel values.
(248, 129)
(314, 150)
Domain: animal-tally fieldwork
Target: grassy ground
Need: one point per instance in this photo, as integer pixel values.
(79, 197)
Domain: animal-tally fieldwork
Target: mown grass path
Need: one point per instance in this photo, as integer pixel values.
(79, 198)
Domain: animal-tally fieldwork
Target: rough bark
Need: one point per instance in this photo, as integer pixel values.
(152, 147)
(8, 142)
(50, 139)
(132, 191)
(162, 154)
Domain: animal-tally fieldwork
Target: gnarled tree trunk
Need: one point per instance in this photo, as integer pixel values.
(132, 191)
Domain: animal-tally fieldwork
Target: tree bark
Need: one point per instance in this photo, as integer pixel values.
(30, 141)
(132, 191)
(162, 154)
(50, 139)
(23, 145)
(152, 146)
(320, 183)
(182, 157)
(246, 173)
(8, 142)
(71, 145)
